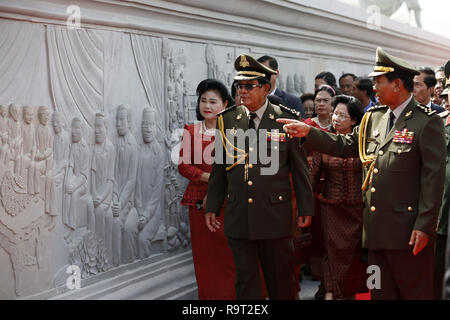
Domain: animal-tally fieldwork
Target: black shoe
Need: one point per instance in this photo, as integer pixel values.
(320, 294)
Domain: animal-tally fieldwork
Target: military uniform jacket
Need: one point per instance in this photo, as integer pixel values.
(260, 207)
(443, 213)
(405, 191)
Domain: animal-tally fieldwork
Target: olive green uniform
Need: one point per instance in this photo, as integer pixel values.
(258, 210)
(404, 193)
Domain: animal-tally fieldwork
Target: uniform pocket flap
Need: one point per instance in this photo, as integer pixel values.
(406, 207)
(371, 147)
(400, 148)
(280, 196)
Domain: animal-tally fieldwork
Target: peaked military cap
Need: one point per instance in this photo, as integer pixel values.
(386, 63)
(248, 68)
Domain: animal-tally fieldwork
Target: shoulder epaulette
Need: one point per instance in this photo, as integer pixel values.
(227, 109)
(289, 110)
(375, 108)
(444, 114)
(425, 109)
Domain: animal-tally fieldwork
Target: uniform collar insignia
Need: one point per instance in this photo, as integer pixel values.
(376, 133)
(239, 116)
(271, 116)
(408, 114)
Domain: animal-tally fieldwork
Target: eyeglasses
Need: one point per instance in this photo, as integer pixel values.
(340, 115)
(246, 86)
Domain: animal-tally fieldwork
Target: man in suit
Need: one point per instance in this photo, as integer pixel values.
(256, 186)
(424, 88)
(402, 146)
(289, 100)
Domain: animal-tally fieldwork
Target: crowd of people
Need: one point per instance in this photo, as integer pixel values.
(361, 169)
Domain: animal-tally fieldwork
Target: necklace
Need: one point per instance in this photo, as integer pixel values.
(323, 126)
(207, 131)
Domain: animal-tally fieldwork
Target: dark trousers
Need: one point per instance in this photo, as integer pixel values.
(403, 275)
(277, 260)
(439, 265)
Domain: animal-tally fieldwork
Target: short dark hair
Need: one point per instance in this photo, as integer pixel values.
(347, 75)
(430, 81)
(211, 84)
(406, 77)
(272, 62)
(365, 84)
(427, 71)
(354, 107)
(329, 78)
(307, 96)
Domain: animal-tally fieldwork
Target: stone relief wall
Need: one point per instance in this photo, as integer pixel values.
(91, 180)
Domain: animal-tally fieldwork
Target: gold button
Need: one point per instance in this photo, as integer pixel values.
(380, 153)
(375, 170)
(250, 165)
(280, 198)
(276, 148)
(250, 183)
(399, 151)
(372, 209)
(251, 149)
(410, 209)
(250, 200)
(373, 190)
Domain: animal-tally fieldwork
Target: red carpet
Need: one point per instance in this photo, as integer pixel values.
(363, 296)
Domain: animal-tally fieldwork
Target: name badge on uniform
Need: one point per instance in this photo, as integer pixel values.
(275, 136)
(403, 136)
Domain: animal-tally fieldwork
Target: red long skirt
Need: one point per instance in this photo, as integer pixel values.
(213, 260)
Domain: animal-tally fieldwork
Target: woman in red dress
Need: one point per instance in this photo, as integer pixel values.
(213, 260)
(341, 206)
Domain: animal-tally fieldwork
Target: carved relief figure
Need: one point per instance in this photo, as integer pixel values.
(75, 181)
(42, 164)
(389, 7)
(149, 187)
(60, 158)
(4, 148)
(126, 220)
(28, 148)
(14, 135)
(102, 182)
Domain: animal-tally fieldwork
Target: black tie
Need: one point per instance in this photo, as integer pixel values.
(391, 121)
(251, 122)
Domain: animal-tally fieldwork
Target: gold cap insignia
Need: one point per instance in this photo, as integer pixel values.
(244, 63)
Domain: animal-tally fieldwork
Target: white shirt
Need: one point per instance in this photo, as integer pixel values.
(259, 113)
(398, 111)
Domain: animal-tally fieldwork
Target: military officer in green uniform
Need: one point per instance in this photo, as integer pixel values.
(402, 146)
(257, 190)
